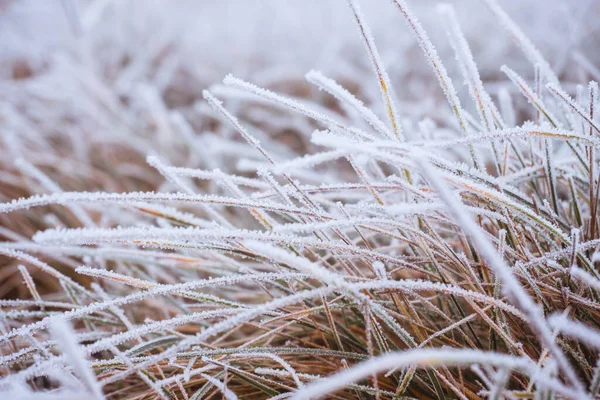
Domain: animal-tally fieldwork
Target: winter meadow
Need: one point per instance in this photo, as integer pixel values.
(340, 199)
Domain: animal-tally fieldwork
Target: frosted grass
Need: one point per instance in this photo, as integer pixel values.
(293, 234)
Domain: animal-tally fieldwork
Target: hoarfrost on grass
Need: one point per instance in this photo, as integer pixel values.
(357, 232)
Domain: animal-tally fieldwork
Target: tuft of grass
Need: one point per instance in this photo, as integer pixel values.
(258, 244)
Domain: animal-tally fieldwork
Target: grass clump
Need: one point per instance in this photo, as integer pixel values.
(340, 254)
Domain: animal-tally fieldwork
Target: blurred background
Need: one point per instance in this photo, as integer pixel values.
(187, 44)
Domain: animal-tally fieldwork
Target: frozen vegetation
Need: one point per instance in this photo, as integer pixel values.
(322, 199)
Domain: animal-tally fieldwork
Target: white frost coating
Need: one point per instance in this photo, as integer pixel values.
(333, 88)
(309, 160)
(468, 66)
(384, 81)
(380, 271)
(158, 236)
(176, 180)
(30, 284)
(427, 358)
(81, 312)
(438, 68)
(215, 175)
(127, 198)
(67, 342)
(353, 250)
(293, 105)
(585, 277)
(575, 329)
(218, 105)
(555, 89)
(511, 285)
(530, 95)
